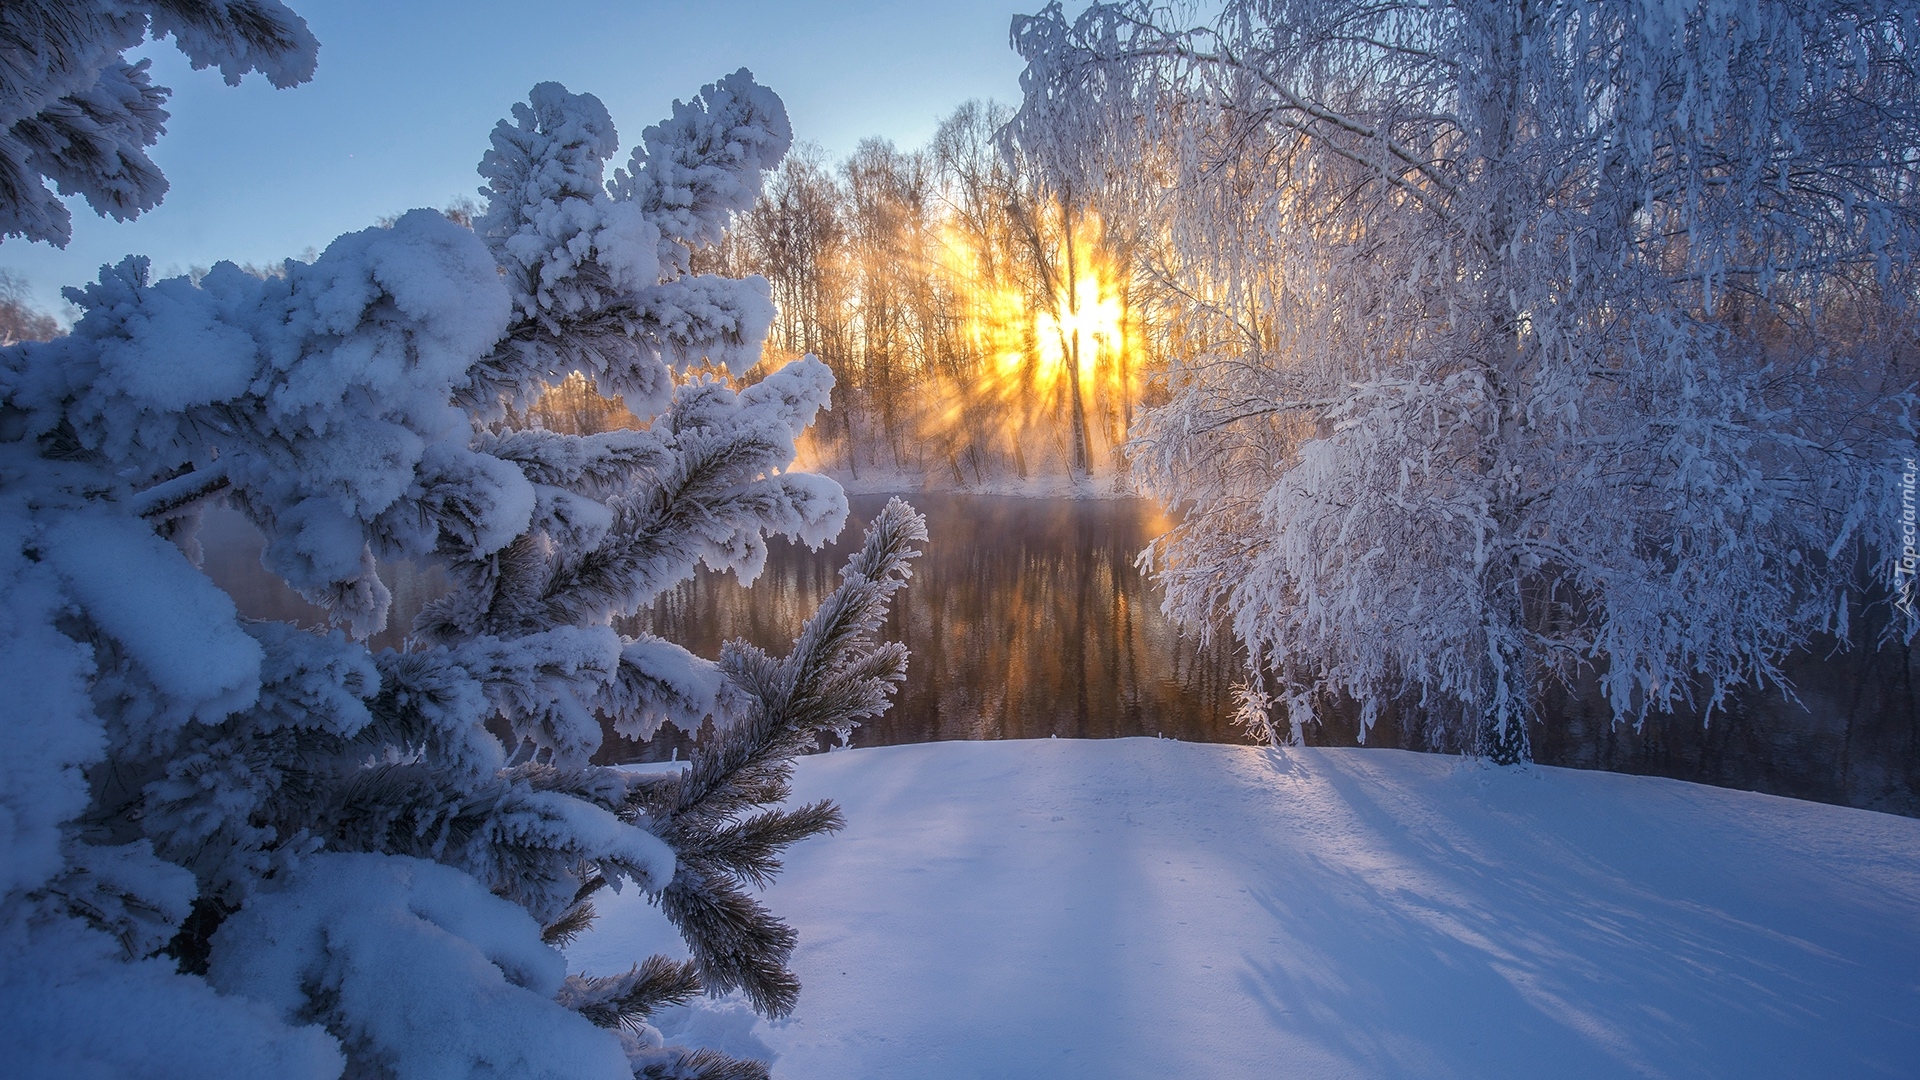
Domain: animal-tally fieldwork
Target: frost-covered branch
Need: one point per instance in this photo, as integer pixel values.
(74, 112)
(1512, 346)
(835, 676)
(356, 847)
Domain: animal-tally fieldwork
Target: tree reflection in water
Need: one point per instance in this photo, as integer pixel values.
(1026, 618)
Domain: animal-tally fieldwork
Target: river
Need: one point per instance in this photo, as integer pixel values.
(1027, 618)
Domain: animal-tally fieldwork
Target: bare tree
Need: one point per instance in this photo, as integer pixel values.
(19, 319)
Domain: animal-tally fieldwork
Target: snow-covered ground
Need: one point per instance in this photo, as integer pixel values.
(1146, 908)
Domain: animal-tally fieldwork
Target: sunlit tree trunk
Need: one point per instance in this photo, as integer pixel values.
(1082, 464)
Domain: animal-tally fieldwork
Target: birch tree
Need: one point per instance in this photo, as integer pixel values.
(1515, 343)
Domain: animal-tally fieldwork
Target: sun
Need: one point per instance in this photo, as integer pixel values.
(1026, 340)
(1092, 318)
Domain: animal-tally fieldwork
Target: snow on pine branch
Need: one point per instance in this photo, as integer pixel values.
(600, 270)
(835, 676)
(368, 853)
(74, 112)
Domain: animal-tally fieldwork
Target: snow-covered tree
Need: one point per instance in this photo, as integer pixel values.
(239, 848)
(1516, 343)
(73, 110)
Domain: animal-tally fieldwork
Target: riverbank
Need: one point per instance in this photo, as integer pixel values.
(1149, 908)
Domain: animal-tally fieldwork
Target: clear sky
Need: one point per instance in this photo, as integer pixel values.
(398, 114)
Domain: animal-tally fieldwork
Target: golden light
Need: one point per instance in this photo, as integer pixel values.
(1026, 343)
(1091, 317)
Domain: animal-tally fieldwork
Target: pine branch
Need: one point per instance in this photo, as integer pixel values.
(629, 998)
(797, 696)
(506, 833)
(578, 918)
(562, 931)
(705, 1064)
(182, 491)
(598, 466)
(834, 676)
(605, 788)
(748, 849)
(736, 943)
(656, 543)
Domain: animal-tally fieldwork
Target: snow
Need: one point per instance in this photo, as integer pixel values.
(171, 620)
(76, 1009)
(42, 673)
(171, 756)
(1150, 908)
(659, 681)
(380, 934)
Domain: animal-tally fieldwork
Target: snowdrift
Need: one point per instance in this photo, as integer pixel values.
(1147, 908)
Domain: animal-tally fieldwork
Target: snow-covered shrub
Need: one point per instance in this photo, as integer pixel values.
(370, 856)
(1513, 345)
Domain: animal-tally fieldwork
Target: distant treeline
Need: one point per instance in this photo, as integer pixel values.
(975, 323)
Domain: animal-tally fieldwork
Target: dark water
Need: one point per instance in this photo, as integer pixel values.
(1026, 618)
(1848, 734)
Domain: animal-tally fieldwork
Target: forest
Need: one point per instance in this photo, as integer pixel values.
(982, 329)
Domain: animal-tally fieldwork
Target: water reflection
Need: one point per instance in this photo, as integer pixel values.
(231, 547)
(1026, 618)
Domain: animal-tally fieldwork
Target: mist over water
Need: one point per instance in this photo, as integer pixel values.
(1025, 618)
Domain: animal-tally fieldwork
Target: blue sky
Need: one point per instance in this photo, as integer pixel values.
(398, 114)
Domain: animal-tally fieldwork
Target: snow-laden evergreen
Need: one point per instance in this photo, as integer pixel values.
(73, 111)
(1515, 345)
(599, 271)
(370, 856)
